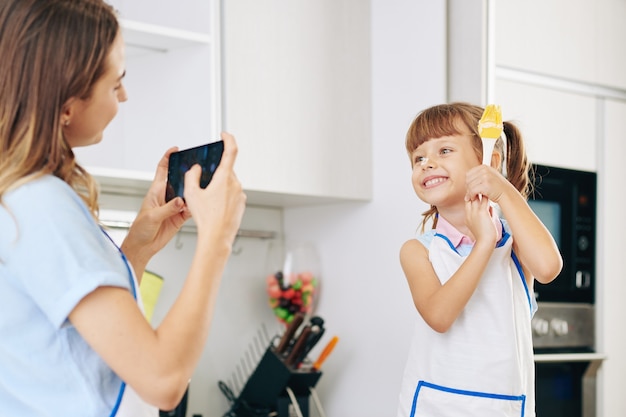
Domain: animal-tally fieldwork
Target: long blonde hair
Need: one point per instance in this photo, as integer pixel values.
(50, 51)
(446, 119)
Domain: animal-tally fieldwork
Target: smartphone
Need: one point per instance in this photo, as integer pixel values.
(208, 156)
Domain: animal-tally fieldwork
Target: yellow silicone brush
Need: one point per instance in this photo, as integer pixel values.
(490, 129)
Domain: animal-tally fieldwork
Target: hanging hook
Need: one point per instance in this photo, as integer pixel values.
(236, 250)
(178, 244)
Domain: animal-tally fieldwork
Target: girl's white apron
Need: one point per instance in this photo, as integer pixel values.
(483, 365)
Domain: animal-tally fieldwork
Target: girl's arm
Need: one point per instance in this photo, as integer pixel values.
(158, 363)
(440, 305)
(533, 243)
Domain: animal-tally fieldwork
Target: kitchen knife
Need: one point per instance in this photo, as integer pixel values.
(298, 347)
(316, 334)
(289, 332)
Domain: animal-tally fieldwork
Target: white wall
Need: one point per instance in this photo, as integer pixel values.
(365, 299)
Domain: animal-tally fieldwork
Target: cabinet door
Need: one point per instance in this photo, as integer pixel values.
(574, 39)
(297, 95)
(558, 128)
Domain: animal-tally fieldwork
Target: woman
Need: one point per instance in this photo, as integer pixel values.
(74, 340)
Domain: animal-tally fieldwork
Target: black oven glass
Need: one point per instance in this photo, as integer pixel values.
(565, 201)
(559, 389)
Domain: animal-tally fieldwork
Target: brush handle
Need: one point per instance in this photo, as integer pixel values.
(488, 145)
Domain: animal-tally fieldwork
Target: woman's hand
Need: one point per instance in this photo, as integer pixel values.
(157, 221)
(217, 210)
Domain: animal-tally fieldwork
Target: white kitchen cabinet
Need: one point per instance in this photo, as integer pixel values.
(559, 128)
(553, 76)
(295, 92)
(548, 79)
(574, 39)
(297, 89)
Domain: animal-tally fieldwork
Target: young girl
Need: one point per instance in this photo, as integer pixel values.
(471, 276)
(73, 340)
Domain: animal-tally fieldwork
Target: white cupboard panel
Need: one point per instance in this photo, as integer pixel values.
(558, 128)
(612, 283)
(547, 36)
(610, 52)
(297, 95)
(575, 39)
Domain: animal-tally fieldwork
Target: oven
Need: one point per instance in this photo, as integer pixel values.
(566, 363)
(564, 336)
(565, 201)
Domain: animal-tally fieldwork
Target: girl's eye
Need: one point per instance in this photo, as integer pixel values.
(419, 160)
(446, 151)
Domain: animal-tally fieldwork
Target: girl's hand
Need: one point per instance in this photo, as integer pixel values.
(217, 210)
(478, 217)
(156, 223)
(487, 182)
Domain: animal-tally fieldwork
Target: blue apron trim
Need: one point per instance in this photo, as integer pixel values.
(134, 292)
(518, 265)
(516, 261)
(499, 244)
(119, 399)
(505, 236)
(421, 384)
(444, 237)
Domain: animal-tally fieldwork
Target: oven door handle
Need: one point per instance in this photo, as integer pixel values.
(569, 357)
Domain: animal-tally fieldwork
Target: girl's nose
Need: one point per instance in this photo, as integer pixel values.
(427, 163)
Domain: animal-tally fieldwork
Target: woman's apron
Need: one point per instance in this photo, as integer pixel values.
(128, 403)
(483, 365)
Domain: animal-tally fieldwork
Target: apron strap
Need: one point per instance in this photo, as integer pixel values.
(134, 292)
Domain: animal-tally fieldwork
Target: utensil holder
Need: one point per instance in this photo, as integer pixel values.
(267, 388)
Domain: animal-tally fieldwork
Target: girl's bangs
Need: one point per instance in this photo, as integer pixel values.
(434, 123)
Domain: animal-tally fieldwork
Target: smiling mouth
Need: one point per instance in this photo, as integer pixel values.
(432, 182)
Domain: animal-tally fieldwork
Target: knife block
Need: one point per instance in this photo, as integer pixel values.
(267, 388)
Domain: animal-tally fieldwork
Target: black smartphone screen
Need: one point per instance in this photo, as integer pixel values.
(208, 156)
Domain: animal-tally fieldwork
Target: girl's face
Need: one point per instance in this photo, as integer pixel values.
(84, 121)
(439, 169)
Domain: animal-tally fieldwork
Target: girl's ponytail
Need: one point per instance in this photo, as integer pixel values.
(517, 165)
